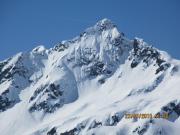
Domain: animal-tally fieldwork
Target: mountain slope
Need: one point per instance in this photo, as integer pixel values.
(88, 84)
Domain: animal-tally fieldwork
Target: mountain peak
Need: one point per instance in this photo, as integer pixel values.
(102, 25)
(105, 22)
(39, 48)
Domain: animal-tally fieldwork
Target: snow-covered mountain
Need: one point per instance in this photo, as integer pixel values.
(88, 85)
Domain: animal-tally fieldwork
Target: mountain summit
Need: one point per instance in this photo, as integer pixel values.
(91, 85)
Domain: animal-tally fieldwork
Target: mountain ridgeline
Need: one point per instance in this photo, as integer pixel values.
(86, 86)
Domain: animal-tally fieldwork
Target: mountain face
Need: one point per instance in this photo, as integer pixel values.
(88, 85)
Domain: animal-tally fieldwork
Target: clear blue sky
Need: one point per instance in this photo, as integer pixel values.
(25, 24)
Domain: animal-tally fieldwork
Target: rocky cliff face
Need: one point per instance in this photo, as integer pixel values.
(88, 84)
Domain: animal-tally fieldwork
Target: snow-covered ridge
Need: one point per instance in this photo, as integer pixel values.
(86, 86)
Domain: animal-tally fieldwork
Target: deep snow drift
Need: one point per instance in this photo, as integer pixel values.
(87, 85)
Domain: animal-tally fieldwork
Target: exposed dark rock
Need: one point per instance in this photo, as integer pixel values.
(108, 72)
(101, 81)
(37, 91)
(104, 26)
(149, 88)
(7, 74)
(174, 70)
(114, 119)
(11, 71)
(54, 94)
(117, 41)
(5, 92)
(5, 103)
(135, 45)
(70, 132)
(95, 124)
(52, 90)
(111, 121)
(163, 67)
(147, 55)
(60, 47)
(159, 61)
(2, 64)
(55, 89)
(172, 109)
(141, 130)
(134, 64)
(76, 130)
(45, 106)
(96, 69)
(52, 131)
(155, 84)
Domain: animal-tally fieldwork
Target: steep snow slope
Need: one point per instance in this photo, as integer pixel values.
(88, 84)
